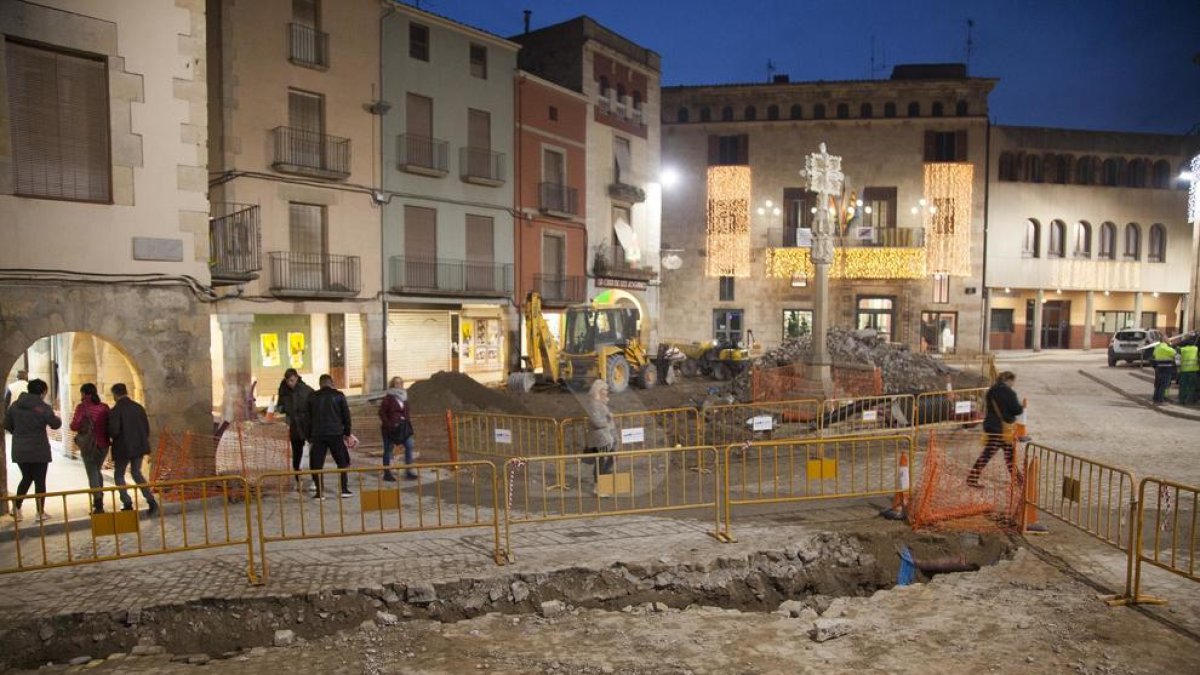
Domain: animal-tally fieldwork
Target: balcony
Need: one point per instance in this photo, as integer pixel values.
(234, 243)
(899, 237)
(417, 275)
(611, 262)
(309, 153)
(558, 200)
(558, 289)
(314, 275)
(423, 155)
(623, 186)
(481, 166)
(308, 46)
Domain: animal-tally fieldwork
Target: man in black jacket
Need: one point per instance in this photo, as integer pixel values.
(1003, 408)
(328, 427)
(292, 401)
(129, 429)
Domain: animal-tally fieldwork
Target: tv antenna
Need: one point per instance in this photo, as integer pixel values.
(770, 70)
(970, 42)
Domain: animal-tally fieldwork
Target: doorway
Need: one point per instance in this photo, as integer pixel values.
(1056, 324)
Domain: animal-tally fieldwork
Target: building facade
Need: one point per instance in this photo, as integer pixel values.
(293, 169)
(448, 234)
(909, 224)
(1088, 234)
(623, 201)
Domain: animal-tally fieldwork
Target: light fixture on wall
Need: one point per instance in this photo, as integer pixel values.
(1007, 290)
(1155, 294)
(1107, 293)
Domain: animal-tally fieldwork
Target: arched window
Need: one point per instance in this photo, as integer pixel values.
(1058, 169)
(1110, 175)
(750, 113)
(1033, 169)
(1058, 239)
(819, 111)
(772, 112)
(1083, 239)
(682, 116)
(1158, 244)
(938, 109)
(621, 93)
(843, 111)
(960, 109)
(1033, 239)
(865, 111)
(1108, 242)
(727, 114)
(889, 109)
(1085, 170)
(1162, 174)
(1133, 242)
(796, 113)
(914, 109)
(1008, 167)
(1136, 176)
(705, 114)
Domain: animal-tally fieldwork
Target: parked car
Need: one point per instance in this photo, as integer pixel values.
(1128, 345)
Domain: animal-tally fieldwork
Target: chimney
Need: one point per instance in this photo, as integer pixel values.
(781, 79)
(528, 13)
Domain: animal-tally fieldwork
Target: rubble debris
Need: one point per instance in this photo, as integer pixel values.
(460, 393)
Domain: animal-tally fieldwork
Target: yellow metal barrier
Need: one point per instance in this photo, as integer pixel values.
(504, 436)
(445, 495)
(639, 430)
(740, 422)
(611, 484)
(867, 415)
(71, 535)
(1095, 497)
(1172, 548)
(954, 408)
(804, 470)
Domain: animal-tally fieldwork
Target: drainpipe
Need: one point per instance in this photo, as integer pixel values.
(383, 289)
(985, 341)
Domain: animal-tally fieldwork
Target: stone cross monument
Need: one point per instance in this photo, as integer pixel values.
(824, 173)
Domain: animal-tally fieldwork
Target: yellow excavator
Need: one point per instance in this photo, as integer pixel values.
(599, 343)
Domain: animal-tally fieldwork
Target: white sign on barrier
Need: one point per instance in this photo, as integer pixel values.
(963, 407)
(634, 435)
(762, 423)
(870, 415)
(504, 436)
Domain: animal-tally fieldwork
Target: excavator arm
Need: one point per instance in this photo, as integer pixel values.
(543, 348)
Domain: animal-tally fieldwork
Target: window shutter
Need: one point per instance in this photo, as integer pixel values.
(960, 145)
(930, 146)
(714, 149)
(743, 149)
(420, 233)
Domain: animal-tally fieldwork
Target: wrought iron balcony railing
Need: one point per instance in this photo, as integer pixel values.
(423, 155)
(234, 243)
(308, 46)
(314, 274)
(481, 165)
(855, 237)
(615, 262)
(559, 288)
(557, 198)
(439, 276)
(310, 153)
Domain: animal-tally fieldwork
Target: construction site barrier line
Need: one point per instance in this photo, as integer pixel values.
(957, 407)
(1167, 499)
(739, 422)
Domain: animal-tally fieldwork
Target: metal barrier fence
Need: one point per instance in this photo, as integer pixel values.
(867, 415)
(611, 484)
(455, 495)
(1170, 549)
(805, 470)
(212, 520)
(740, 422)
(1095, 497)
(505, 436)
(639, 430)
(957, 407)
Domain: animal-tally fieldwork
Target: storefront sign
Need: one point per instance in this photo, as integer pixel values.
(628, 284)
(634, 435)
(504, 436)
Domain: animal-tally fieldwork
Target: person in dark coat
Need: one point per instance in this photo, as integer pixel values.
(92, 409)
(27, 419)
(1003, 408)
(396, 427)
(292, 401)
(328, 429)
(129, 433)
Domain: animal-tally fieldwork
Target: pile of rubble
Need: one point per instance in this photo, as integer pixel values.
(460, 393)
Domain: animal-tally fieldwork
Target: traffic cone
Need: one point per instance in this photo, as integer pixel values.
(900, 499)
(1029, 518)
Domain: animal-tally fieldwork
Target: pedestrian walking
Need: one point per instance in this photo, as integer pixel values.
(129, 437)
(292, 401)
(27, 420)
(90, 424)
(1189, 374)
(601, 431)
(1164, 359)
(1003, 408)
(396, 427)
(329, 428)
(14, 390)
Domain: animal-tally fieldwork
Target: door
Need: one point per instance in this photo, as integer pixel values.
(306, 117)
(479, 143)
(354, 350)
(727, 326)
(306, 245)
(482, 275)
(1056, 324)
(418, 121)
(553, 286)
(554, 193)
(337, 349)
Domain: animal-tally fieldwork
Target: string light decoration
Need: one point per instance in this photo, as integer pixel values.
(948, 221)
(728, 234)
(1194, 191)
(867, 262)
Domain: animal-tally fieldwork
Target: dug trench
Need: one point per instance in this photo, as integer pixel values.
(804, 579)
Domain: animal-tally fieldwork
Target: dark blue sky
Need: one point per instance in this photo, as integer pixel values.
(1098, 64)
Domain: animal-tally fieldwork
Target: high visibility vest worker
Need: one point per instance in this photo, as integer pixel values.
(1164, 352)
(1189, 359)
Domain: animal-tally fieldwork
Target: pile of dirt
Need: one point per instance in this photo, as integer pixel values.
(460, 393)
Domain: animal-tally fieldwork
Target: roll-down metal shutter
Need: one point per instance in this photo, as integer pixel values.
(418, 344)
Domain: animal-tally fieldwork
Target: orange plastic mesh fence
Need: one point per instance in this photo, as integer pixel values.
(953, 494)
(786, 383)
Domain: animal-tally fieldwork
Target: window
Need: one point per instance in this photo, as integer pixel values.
(552, 113)
(796, 322)
(1056, 168)
(622, 161)
(865, 111)
(554, 165)
(622, 258)
(879, 211)
(843, 111)
(1111, 172)
(1161, 174)
(58, 114)
(1136, 176)
(636, 100)
(938, 109)
(1083, 239)
(727, 114)
(705, 114)
(819, 111)
(876, 313)
(418, 41)
(797, 112)
(1108, 241)
(727, 150)
(1058, 237)
(478, 61)
(479, 144)
(750, 113)
(727, 326)
(914, 109)
(420, 233)
(1002, 321)
(960, 109)
(1085, 170)
(306, 115)
(945, 146)
(1133, 241)
(682, 115)
(725, 292)
(1033, 169)
(306, 244)
(941, 289)
(481, 254)
(889, 109)
(1158, 244)
(938, 332)
(798, 204)
(1033, 235)
(1008, 167)
(772, 112)
(1113, 321)
(605, 88)
(307, 45)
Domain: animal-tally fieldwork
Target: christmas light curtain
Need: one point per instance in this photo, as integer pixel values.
(948, 220)
(728, 222)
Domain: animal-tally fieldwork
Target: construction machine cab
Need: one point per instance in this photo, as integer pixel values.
(589, 328)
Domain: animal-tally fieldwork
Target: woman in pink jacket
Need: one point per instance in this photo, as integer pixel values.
(92, 409)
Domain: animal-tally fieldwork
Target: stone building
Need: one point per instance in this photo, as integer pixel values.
(909, 240)
(103, 182)
(623, 200)
(1088, 234)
